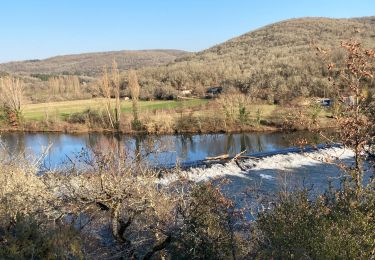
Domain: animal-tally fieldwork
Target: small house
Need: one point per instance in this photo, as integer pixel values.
(186, 92)
(325, 102)
(214, 92)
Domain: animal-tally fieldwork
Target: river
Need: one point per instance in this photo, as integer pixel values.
(161, 150)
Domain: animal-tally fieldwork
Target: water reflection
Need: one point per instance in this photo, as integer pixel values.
(155, 149)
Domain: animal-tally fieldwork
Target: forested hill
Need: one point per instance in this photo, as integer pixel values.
(91, 64)
(278, 59)
(289, 38)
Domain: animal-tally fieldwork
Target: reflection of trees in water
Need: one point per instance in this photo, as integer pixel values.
(14, 143)
(187, 143)
(149, 148)
(199, 146)
(21, 145)
(44, 142)
(292, 139)
(251, 142)
(260, 144)
(137, 148)
(98, 142)
(92, 141)
(109, 143)
(240, 142)
(229, 143)
(216, 144)
(247, 144)
(164, 149)
(212, 145)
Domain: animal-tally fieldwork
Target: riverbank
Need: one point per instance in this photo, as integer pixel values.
(67, 128)
(166, 117)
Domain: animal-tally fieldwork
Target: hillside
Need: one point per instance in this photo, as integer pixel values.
(288, 38)
(91, 64)
(276, 61)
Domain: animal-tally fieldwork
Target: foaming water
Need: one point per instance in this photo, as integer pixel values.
(267, 168)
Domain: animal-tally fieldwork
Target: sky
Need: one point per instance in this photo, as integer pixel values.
(36, 29)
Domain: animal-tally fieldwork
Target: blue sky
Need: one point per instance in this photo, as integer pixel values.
(43, 28)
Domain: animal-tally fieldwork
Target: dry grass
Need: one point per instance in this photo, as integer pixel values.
(158, 123)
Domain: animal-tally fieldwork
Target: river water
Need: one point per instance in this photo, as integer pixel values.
(161, 150)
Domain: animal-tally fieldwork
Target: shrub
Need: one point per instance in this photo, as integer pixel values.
(11, 98)
(215, 122)
(335, 226)
(166, 92)
(3, 116)
(26, 238)
(235, 107)
(258, 118)
(92, 118)
(136, 124)
(243, 114)
(188, 123)
(207, 230)
(315, 111)
(159, 123)
(28, 209)
(336, 108)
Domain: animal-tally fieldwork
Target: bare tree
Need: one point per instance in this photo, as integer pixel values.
(68, 86)
(11, 97)
(116, 86)
(108, 87)
(134, 91)
(105, 89)
(350, 82)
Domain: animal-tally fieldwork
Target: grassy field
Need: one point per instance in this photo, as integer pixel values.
(63, 109)
(172, 116)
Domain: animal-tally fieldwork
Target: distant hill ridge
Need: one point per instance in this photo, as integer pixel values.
(91, 64)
